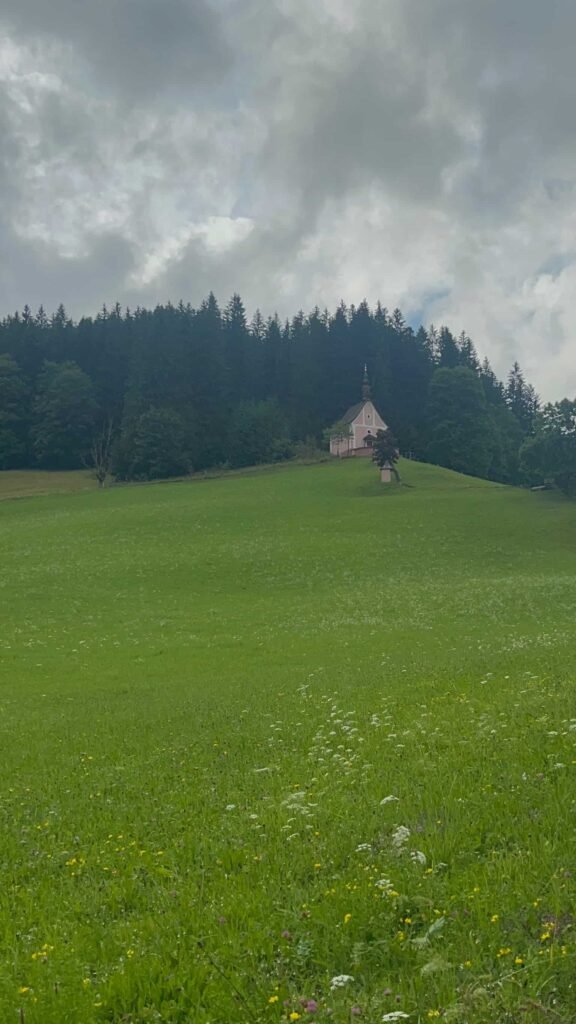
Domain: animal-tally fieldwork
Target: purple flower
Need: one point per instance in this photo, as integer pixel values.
(286, 935)
(310, 1005)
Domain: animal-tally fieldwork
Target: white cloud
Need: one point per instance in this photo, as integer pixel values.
(299, 152)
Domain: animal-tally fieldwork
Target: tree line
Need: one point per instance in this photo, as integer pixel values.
(147, 394)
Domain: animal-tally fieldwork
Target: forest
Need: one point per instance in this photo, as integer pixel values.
(150, 394)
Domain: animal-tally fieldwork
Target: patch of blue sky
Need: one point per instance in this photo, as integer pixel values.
(419, 314)
(556, 263)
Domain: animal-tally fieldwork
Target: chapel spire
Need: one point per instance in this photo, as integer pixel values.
(366, 389)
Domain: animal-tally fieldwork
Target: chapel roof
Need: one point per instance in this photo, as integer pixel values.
(354, 411)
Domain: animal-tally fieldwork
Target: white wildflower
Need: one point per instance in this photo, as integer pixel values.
(383, 883)
(340, 981)
(389, 800)
(395, 1015)
(230, 807)
(400, 837)
(363, 848)
(418, 857)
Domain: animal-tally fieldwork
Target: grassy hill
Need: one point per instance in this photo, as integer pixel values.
(208, 692)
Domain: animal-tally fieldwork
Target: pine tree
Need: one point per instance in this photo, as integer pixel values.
(522, 399)
(14, 414)
(550, 454)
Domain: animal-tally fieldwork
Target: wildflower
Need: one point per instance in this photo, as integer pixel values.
(340, 980)
(400, 837)
(286, 935)
(518, 960)
(86, 982)
(273, 999)
(418, 857)
(347, 918)
(389, 800)
(42, 954)
(467, 963)
(363, 848)
(494, 918)
(504, 951)
(310, 1005)
(230, 807)
(23, 990)
(383, 883)
(294, 1015)
(432, 1014)
(395, 1015)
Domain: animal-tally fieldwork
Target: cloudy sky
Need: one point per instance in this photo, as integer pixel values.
(298, 151)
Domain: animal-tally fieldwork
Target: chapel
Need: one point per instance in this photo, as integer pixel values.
(360, 424)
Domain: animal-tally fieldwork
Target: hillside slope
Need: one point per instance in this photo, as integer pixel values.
(262, 731)
(423, 576)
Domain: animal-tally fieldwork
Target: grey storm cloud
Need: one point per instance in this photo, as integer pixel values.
(298, 151)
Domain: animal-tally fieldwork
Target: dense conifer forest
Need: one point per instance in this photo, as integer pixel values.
(150, 394)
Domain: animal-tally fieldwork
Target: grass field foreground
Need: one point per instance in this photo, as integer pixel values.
(291, 746)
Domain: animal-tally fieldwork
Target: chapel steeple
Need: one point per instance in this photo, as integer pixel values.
(366, 389)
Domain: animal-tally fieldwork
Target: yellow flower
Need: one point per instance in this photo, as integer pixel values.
(42, 954)
(494, 918)
(467, 963)
(432, 1014)
(504, 951)
(347, 918)
(23, 989)
(294, 1016)
(518, 960)
(86, 982)
(273, 999)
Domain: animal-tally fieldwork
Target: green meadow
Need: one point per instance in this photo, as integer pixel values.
(288, 745)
